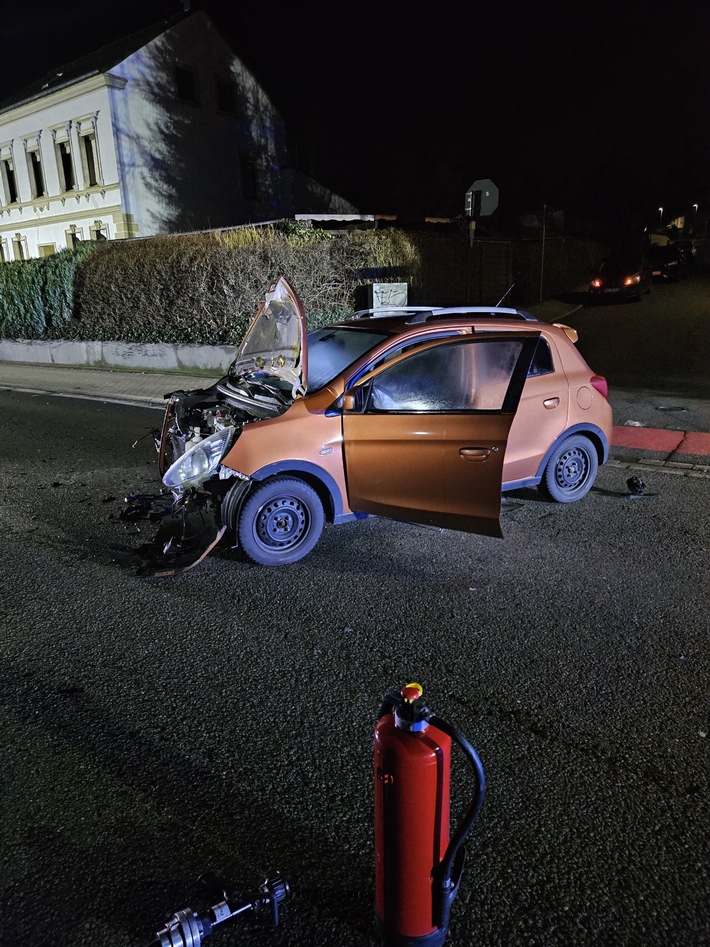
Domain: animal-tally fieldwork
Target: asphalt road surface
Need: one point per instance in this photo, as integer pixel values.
(155, 729)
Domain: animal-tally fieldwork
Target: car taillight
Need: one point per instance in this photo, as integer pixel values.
(596, 283)
(600, 383)
(630, 280)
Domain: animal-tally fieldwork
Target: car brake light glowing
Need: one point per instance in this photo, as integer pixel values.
(596, 283)
(630, 280)
(600, 383)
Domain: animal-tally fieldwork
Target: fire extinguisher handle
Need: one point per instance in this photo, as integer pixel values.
(445, 869)
(389, 703)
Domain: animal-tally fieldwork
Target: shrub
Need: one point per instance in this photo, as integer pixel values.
(36, 296)
(204, 288)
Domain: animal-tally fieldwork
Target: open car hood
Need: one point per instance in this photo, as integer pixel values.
(273, 355)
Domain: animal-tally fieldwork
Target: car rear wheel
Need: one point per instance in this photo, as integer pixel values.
(571, 470)
(280, 522)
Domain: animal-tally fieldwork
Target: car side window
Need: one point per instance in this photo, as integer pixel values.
(542, 359)
(471, 375)
(404, 347)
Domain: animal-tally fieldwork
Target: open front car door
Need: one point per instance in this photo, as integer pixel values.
(425, 434)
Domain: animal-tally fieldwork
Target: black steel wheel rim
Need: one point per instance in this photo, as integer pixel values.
(282, 523)
(571, 469)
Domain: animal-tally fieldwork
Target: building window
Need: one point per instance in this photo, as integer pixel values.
(65, 166)
(225, 97)
(99, 230)
(74, 237)
(185, 84)
(249, 173)
(9, 181)
(34, 165)
(89, 159)
(19, 247)
(46, 249)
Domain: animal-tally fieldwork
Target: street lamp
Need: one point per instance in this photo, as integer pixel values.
(660, 216)
(695, 208)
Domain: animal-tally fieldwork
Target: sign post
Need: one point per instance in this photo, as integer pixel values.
(481, 201)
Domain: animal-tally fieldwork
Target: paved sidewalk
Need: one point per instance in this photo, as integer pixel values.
(128, 387)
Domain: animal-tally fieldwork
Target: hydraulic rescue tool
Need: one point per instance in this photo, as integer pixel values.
(188, 928)
(417, 866)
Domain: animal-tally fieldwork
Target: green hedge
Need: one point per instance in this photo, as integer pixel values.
(195, 288)
(37, 297)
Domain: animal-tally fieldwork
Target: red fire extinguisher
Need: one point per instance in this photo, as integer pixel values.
(418, 866)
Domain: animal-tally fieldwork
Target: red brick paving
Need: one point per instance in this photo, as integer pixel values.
(667, 442)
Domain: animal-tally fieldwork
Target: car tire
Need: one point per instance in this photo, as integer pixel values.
(570, 471)
(280, 522)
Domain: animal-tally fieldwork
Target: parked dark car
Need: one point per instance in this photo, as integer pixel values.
(687, 250)
(666, 263)
(620, 277)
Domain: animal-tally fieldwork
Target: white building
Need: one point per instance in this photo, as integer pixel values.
(164, 131)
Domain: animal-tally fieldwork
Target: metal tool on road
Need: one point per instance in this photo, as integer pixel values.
(417, 867)
(188, 928)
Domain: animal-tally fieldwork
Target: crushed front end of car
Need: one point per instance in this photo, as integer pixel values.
(201, 426)
(187, 512)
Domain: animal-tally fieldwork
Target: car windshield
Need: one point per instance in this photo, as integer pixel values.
(332, 350)
(619, 266)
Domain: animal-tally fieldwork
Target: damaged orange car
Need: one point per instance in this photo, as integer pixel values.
(421, 414)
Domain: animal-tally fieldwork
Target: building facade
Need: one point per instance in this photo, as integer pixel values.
(165, 131)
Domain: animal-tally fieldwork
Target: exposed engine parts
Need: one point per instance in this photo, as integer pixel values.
(197, 414)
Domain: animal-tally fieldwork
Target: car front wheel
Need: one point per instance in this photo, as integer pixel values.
(571, 470)
(280, 522)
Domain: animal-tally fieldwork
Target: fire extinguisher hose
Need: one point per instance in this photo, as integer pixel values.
(448, 871)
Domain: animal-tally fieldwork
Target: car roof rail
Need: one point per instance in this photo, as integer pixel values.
(420, 314)
(389, 311)
(493, 312)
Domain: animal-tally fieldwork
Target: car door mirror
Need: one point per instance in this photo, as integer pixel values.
(349, 402)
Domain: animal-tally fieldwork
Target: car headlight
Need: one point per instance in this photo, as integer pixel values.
(199, 462)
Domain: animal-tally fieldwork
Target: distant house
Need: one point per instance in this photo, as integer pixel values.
(162, 132)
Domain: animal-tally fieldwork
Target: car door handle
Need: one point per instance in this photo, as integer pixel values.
(551, 402)
(476, 454)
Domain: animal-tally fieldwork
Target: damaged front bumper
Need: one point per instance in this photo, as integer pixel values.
(189, 529)
(188, 512)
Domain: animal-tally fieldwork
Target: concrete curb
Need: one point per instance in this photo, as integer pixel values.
(157, 357)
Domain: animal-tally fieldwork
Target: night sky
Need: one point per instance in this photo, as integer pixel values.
(602, 106)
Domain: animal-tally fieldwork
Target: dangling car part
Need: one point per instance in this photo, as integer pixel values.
(418, 414)
(188, 928)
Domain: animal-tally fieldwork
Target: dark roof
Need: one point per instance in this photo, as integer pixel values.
(95, 63)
